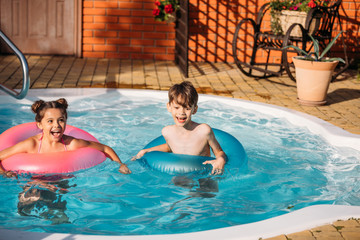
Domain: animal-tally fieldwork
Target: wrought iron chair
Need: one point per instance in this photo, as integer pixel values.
(319, 23)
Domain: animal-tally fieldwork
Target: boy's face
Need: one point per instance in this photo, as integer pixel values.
(181, 114)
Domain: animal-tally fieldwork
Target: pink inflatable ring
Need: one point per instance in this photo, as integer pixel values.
(58, 162)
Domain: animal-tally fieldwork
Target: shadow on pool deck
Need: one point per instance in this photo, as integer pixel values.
(342, 108)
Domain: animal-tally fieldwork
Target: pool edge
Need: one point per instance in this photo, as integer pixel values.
(293, 222)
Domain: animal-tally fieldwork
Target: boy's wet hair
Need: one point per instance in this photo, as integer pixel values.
(184, 94)
(39, 107)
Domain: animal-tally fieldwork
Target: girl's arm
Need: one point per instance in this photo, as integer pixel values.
(25, 146)
(108, 151)
(22, 147)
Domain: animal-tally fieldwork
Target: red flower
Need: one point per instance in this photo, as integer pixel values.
(157, 3)
(156, 12)
(312, 4)
(168, 8)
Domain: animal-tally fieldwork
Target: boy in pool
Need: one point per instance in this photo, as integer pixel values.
(187, 136)
(51, 118)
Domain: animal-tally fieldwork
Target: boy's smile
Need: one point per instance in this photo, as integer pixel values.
(181, 114)
(181, 119)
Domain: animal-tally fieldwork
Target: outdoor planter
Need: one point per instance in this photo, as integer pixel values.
(171, 17)
(282, 20)
(312, 80)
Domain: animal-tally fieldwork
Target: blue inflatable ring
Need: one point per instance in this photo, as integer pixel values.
(180, 163)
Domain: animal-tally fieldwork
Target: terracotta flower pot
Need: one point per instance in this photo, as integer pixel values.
(312, 80)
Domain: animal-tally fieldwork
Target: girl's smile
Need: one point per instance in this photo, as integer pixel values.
(53, 124)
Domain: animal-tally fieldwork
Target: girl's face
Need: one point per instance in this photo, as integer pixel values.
(181, 114)
(53, 124)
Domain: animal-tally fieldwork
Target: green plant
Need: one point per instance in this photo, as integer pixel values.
(164, 9)
(315, 55)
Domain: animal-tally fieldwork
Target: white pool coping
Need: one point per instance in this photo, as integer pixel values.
(295, 221)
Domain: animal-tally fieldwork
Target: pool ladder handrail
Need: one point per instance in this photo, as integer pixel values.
(25, 68)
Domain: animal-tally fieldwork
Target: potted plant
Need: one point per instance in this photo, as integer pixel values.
(165, 10)
(286, 12)
(314, 72)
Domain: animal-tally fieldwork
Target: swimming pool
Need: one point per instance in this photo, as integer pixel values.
(288, 159)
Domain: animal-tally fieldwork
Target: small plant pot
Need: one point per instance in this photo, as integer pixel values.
(171, 18)
(313, 80)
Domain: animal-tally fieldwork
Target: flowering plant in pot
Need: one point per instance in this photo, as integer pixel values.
(165, 10)
(314, 72)
(286, 12)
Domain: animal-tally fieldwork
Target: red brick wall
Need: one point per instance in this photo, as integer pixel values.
(126, 29)
(213, 25)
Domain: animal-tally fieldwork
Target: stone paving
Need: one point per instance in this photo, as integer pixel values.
(339, 230)
(342, 108)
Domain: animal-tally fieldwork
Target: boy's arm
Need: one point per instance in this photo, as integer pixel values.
(108, 151)
(161, 148)
(219, 163)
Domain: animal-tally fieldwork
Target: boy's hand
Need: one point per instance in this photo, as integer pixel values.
(124, 169)
(140, 154)
(217, 164)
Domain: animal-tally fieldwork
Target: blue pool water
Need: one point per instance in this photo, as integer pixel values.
(288, 168)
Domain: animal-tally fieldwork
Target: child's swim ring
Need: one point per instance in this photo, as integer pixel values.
(180, 163)
(58, 162)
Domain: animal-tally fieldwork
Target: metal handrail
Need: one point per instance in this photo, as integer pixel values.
(25, 68)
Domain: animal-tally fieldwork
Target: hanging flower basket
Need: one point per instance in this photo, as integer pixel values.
(165, 10)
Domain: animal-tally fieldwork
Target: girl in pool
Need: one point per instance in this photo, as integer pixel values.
(51, 119)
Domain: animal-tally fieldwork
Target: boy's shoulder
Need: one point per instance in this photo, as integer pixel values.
(167, 128)
(204, 128)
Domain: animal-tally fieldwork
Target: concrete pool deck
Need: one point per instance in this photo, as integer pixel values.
(342, 109)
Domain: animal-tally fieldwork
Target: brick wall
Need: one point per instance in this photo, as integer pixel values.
(126, 29)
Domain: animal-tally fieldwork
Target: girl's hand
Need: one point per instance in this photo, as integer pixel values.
(8, 174)
(124, 169)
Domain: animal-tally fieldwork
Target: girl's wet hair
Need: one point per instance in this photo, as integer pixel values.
(184, 94)
(39, 107)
